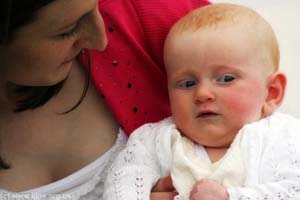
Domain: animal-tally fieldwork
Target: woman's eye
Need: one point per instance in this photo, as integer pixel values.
(226, 79)
(187, 84)
(70, 32)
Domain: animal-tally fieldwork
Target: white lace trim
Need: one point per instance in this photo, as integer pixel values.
(87, 183)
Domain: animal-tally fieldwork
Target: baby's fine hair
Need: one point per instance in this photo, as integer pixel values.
(221, 15)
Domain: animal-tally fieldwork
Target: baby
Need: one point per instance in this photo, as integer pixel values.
(224, 140)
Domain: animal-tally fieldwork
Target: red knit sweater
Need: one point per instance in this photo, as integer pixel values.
(130, 72)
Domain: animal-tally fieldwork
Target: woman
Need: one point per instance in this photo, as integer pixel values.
(57, 134)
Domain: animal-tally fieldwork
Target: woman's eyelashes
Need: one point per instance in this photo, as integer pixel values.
(73, 30)
(70, 33)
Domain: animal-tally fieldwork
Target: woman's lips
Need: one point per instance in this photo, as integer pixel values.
(71, 59)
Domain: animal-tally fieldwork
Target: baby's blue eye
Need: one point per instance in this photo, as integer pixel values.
(187, 84)
(226, 79)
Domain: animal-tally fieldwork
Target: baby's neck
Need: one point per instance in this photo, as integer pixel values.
(216, 153)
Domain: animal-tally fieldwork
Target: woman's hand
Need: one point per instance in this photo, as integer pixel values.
(206, 189)
(163, 190)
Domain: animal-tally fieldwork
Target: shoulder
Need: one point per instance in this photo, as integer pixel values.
(270, 143)
(280, 146)
(277, 125)
(272, 132)
(156, 4)
(284, 125)
(150, 131)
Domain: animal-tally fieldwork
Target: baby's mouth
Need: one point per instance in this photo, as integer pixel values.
(207, 114)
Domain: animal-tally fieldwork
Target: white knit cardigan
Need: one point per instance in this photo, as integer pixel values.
(263, 162)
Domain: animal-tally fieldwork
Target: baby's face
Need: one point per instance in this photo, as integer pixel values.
(217, 82)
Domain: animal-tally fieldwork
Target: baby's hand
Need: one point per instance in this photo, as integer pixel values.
(207, 189)
(163, 190)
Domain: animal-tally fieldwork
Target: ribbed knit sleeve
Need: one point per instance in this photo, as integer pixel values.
(157, 17)
(129, 74)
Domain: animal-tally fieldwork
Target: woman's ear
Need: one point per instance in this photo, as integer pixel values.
(275, 93)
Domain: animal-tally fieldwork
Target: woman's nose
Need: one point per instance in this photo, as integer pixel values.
(94, 36)
(204, 93)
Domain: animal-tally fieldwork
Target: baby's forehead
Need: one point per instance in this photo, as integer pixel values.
(218, 48)
(219, 17)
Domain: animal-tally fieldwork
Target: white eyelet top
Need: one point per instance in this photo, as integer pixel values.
(87, 183)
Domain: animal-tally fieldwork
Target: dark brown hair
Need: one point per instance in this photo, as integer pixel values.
(14, 14)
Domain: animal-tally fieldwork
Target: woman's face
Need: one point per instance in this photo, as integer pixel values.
(43, 52)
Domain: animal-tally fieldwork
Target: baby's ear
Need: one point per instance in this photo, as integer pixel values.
(275, 93)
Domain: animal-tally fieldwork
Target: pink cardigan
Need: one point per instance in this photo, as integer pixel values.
(130, 74)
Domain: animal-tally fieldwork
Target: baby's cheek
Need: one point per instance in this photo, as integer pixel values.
(242, 105)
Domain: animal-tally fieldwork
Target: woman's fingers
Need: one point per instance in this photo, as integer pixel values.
(164, 185)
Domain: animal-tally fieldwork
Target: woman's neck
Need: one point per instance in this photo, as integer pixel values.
(42, 138)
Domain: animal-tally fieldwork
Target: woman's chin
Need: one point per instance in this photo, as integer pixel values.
(43, 81)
